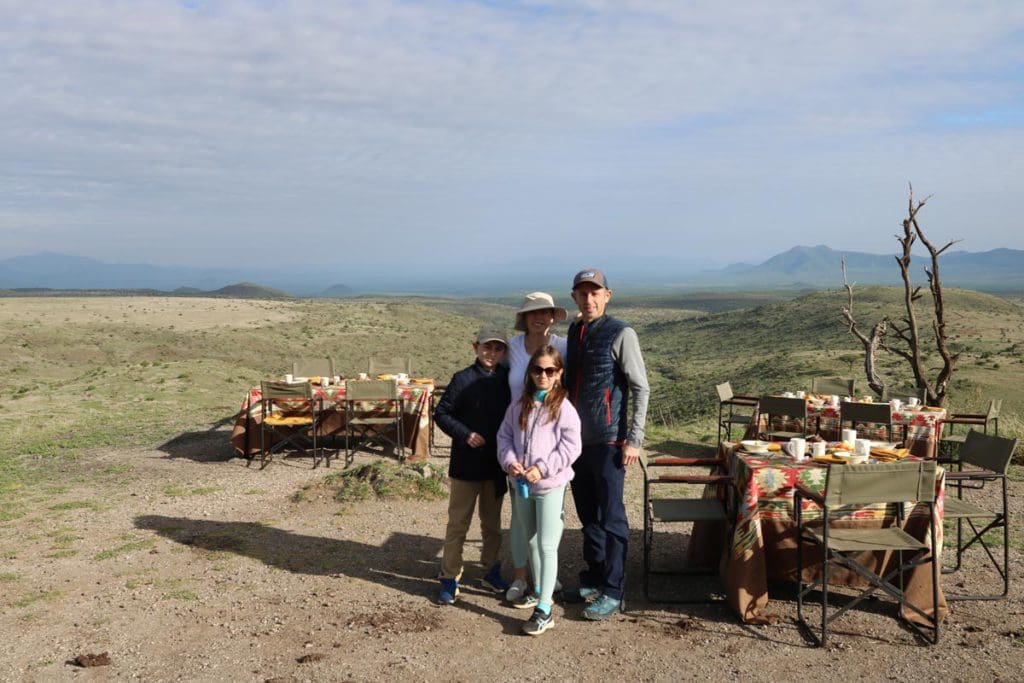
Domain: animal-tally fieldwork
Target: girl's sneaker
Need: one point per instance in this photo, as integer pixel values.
(526, 601)
(516, 590)
(538, 623)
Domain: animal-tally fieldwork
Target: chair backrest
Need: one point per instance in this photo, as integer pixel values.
(989, 452)
(903, 392)
(298, 390)
(724, 391)
(389, 365)
(889, 483)
(313, 367)
(371, 390)
(783, 405)
(854, 411)
(993, 409)
(838, 386)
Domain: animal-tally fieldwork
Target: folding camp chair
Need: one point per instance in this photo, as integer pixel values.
(373, 414)
(785, 417)
(393, 365)
(716, 511)
(893, 484)
(728, 404)
(833, 386)
(313, 367)
(972, 421)
(983, 459)
(855, 413)
(291, 414)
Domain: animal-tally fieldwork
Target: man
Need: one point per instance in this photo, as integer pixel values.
(604, 373)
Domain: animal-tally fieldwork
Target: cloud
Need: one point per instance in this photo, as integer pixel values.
(233, 121)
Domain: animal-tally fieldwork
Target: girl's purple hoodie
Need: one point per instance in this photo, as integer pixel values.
(553, 448)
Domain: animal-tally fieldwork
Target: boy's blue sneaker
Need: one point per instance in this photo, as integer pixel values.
(493, 580)
(602, 608)
(580, 594)
(449, 591)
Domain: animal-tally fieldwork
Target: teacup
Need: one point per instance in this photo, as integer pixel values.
(801, 394)
(787, 394)
(896, 405)
(818, 449)
(289, 378)
(363, 375)
(913, 401)
(862, 448)
(833, 400)
(796, 448)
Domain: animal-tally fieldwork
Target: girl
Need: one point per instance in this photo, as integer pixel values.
(538, 441)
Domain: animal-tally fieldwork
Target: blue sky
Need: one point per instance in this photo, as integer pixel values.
(461, 136)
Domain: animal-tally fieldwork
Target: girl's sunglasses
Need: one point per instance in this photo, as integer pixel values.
(550, 371)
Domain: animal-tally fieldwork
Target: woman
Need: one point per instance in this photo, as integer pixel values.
(534, 318)
(538, 441)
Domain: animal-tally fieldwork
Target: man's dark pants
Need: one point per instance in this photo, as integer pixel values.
(597, 490)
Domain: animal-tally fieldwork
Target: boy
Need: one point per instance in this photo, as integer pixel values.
(470, 412)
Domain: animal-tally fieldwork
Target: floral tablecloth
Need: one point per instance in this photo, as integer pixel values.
(764, 544)
(245, 437)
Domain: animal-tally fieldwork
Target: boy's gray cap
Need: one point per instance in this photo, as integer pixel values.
(592, 275)
(487, 334)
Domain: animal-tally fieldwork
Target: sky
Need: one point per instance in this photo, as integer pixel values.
(485, 137)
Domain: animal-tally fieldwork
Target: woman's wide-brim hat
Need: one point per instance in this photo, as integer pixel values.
(538, 301)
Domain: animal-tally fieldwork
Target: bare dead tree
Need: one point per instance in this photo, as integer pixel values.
(906, 340)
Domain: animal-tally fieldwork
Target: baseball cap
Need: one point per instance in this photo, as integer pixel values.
(592, 275)
(487, 334)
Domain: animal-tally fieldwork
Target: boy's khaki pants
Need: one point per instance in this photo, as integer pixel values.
(463, 495)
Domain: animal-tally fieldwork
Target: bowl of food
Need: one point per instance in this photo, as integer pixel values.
(754, 446)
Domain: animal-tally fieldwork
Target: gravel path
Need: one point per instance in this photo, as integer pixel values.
(187, 565)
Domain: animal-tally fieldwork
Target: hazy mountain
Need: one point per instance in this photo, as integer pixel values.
(798, 268)
(821, 266)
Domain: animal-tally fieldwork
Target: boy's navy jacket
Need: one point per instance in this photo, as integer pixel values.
(475, 401)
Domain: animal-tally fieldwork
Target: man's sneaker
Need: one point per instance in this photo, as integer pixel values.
(538, 623)
(602, 608)
(580, 594)
(526, 601)
(516, 590)
(449, 591)
(493, 580)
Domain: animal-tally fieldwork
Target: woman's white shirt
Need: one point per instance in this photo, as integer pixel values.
(518, 359)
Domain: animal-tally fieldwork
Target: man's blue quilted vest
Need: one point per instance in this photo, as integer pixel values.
(597, 386)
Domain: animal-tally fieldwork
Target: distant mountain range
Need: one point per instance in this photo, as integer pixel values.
(998, 270)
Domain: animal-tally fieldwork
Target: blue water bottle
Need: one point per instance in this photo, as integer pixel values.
(522, 487)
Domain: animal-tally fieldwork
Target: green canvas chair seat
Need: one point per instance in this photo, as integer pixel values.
(851, 485)
(668, 475)
(981, 464)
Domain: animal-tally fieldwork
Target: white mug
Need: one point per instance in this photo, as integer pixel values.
(833, 400)
(797, 448)
(913, 401)
(896, 405)
(849, 437)
(862, 447)
(289, 378)
(363, 375)
(801, 394)
(787, 394)
(818, 449)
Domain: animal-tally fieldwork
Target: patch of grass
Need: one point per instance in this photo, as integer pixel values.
(62, 553)
(7, 577)
(124, 549)
(78, 505)
(385, 480)
(33, 598)
(185, 595)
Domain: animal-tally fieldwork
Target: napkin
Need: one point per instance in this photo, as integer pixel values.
(889, 453)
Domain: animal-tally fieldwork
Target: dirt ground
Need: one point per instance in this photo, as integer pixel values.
(184, 564)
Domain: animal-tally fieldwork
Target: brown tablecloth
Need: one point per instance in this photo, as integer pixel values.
(245, 437)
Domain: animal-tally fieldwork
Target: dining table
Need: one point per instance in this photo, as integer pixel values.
(919, 427)
(763, 545)
(415, 394)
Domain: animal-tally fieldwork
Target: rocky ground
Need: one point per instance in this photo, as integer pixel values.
(185, 564)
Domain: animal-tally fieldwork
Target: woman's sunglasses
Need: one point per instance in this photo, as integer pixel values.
(550, 371)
